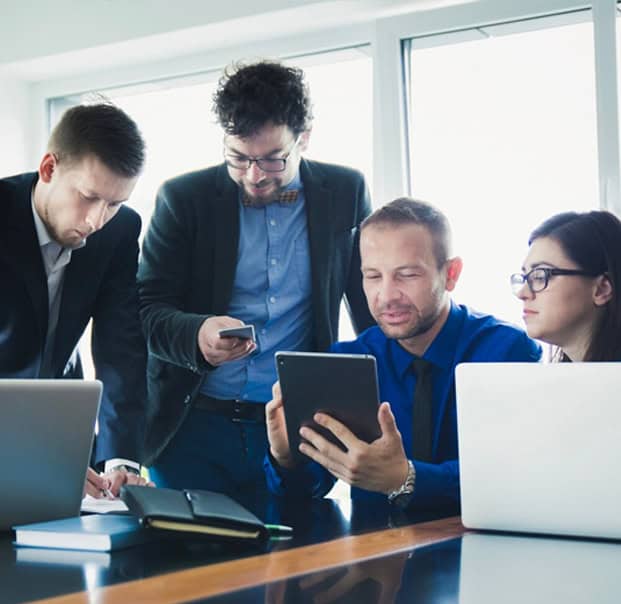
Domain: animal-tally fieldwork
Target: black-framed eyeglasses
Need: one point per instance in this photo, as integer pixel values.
(265, 164)
(538, 278)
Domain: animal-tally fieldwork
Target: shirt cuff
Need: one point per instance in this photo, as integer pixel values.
(119, 461)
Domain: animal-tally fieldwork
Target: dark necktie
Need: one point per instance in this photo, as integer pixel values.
(422, 428)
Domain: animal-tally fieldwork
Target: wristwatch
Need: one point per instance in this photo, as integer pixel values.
(402, 496)
(124, 468)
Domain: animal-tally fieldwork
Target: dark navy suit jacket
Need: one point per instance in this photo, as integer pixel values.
(99, 283)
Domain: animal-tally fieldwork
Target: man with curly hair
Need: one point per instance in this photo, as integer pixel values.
(266, 238)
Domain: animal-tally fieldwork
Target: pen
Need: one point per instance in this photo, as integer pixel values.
(282, 529)
(108, 493)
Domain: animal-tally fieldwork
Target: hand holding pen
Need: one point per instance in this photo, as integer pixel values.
(97, 486)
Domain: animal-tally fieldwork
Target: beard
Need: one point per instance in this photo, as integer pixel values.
(254, 201)
(421, 319)
(71, 243)
(421, 323)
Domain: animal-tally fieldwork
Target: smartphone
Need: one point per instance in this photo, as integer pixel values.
(244, 332)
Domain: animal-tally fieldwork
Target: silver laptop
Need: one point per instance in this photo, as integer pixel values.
(46, 435)
(540, 447)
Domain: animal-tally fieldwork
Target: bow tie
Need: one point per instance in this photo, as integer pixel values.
(288, 196)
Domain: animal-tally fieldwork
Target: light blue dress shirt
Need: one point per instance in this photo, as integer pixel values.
(272, 290)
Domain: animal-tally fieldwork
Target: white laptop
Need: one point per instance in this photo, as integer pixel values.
(540, 447)
(46, 435)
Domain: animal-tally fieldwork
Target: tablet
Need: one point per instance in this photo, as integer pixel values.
(341, 385)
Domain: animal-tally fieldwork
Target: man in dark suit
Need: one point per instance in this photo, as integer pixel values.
(266, 238)
(68, 253)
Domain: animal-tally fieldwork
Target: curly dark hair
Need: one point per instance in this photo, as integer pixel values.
(250, 96)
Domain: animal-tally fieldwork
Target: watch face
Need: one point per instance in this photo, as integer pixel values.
(127, 469)
(402, 501)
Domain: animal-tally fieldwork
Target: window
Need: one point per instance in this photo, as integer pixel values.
(181, 134)
(502, 136)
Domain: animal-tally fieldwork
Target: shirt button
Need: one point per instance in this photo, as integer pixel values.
(272, 299)
(263, 331)
(274, 261)
(272, 222)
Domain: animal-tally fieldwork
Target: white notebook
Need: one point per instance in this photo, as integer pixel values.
(102, 533)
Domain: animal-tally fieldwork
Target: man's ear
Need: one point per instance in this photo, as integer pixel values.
(304, 137)
(47, 167)
(602, 294)
(453, 270)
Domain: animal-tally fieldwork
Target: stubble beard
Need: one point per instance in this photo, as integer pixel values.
(54, 233)
(259, 202)
(422, 325)
(423, 321)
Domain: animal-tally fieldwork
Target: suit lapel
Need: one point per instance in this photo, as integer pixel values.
(21, 250)
(225, 232)
(76, 293)
(320, 216)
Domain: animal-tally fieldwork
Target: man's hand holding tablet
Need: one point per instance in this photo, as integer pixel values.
(325, 407)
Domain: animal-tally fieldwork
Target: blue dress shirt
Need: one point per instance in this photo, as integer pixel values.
(272, 290)
(466, 336)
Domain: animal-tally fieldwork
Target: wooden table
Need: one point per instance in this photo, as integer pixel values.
(215, 579)
(327, 535)
(338, 555)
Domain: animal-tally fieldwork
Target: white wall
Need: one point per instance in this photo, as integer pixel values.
(62, 47)
(31, 29)
(42, 39)
(14, 126)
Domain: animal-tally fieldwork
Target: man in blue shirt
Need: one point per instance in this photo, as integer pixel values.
(265, 238)
(408, 274)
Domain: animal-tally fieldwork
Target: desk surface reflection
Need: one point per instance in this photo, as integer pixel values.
(33, 573)
(474, 568)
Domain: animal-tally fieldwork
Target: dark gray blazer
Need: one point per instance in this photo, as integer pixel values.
(187, 270)
(99, 283)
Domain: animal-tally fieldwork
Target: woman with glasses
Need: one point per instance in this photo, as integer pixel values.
(569, 285)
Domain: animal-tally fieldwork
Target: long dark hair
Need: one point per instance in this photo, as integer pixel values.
(593, 241)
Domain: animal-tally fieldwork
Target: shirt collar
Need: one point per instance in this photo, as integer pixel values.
(42, 235)
(440, 351)
(296, 183)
